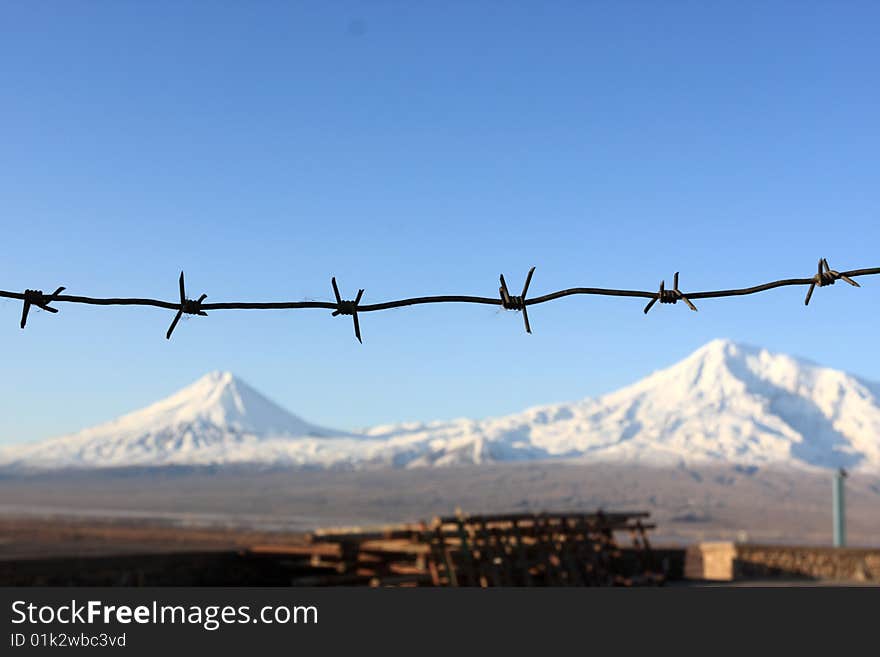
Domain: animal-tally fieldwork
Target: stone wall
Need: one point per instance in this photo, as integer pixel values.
(826, 563)
(724, 561)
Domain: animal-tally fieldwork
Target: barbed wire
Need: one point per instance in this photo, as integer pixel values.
(352, 307)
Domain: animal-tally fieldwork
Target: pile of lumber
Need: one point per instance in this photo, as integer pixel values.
(522, 549)
(357, 559)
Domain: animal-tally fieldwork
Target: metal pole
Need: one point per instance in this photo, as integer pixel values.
(839, 507)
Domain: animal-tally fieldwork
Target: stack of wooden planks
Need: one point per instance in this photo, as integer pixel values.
(520, 549)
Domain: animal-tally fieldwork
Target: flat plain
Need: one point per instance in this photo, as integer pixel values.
(126, 511)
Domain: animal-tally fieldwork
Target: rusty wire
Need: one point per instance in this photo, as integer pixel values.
(185, 306)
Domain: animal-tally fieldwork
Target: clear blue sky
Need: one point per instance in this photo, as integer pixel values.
(424, 148)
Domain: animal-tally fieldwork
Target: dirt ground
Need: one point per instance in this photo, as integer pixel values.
(34, 538)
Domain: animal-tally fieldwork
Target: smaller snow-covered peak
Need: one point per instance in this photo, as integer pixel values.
(218, 401)
(718, 345)
(216, 415)
(217, 377)
(223, 400)
(218, 395)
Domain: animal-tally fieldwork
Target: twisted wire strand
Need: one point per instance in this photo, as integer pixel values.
(413, 301)
(823, 278)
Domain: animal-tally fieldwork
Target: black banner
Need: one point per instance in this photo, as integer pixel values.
(150, 621)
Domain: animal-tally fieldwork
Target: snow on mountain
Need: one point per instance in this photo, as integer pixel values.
(725, 403)
(215, 416)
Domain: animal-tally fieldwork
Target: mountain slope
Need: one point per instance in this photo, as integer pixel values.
(218, 413)
(725, 403)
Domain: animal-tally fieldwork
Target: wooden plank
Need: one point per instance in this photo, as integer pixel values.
(324, 550)
(615, 516)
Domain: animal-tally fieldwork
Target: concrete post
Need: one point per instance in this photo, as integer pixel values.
(839, 507)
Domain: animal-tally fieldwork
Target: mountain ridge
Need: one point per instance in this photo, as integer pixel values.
(725, 403)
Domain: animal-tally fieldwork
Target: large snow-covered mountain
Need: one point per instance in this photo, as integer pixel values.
(725, 403)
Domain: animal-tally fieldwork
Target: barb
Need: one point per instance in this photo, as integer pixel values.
(825, 276)
(517, 303)
(38, 299)
(187, 307)
(344, 307)
(669, 296)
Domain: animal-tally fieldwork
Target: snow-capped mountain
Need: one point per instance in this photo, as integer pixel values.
(217, 414)
(725, 403)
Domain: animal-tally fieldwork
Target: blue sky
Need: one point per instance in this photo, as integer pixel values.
(424, 148)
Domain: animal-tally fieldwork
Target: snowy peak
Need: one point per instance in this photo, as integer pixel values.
(723, 369)
(725, 403)
(217, 419)
(222, 400)
(729, 402)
